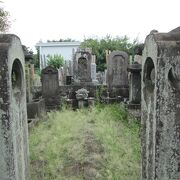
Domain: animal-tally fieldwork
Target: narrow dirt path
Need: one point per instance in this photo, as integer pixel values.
(90, 167)
(94, 155)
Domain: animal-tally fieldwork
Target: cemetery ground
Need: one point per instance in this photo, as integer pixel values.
(98, 143)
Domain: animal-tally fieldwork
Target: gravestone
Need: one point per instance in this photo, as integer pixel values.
(117, 76)
(70, 68)
(65, 71)
(50, 86)
(13, 113)
(161, 107)
(82, 65)
(93, 70)
(28, 83)
(105, 77)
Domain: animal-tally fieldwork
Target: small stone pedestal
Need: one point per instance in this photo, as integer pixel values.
(36, 109)
(91, 102)
(109, 100)
(69, 103)
(81, 103)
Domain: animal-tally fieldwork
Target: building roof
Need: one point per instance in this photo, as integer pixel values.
(53, 44)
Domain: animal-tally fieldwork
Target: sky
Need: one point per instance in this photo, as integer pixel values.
(35, 20)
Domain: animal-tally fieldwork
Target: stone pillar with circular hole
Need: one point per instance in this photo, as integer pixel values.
(13, 113)
(160, 118)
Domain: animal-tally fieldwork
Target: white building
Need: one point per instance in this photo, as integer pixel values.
(64, 49)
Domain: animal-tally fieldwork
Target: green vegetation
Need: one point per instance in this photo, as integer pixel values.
(4, 19)
(55, 61)
(100, 143)
(99, 47)
(62, 40)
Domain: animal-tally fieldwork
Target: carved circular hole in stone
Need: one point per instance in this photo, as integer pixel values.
(174, 79)
(16, 75)
(149, 75)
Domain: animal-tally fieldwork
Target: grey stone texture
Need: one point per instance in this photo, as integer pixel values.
(50, 86)
(160, 119)
(82, 94)
(117, 75)
(36, 109)
(82, 65)
(135, 83)
(117, 69)
(13, 113)
(28, 83)
(93, 70)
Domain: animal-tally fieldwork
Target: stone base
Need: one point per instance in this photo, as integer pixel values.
(52, 103)
(109, 100)
(75, 104)
(119, 91)
(36, 109)
(83, 84)
(81, 104)
(134, 106)
(136, 113)
(91, 102)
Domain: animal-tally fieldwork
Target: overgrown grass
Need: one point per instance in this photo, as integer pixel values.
(119, 135)
(101, 143)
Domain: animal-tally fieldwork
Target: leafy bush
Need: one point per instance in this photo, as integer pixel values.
(55, 61)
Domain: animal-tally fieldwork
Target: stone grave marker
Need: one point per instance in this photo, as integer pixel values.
(117, 69)
(50, 86)
(117, 75)
(13, 113)
(160, 121)
(93, 70)
(82, 65)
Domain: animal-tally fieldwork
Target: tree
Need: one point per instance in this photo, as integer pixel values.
(62, 40)
(55, 61)
(4, 20)
(34, 57)
(99, 47)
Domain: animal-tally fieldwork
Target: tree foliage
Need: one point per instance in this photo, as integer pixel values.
(4, 19)
(62, 40)
(35, 57)
(55, 61)
(99, 47)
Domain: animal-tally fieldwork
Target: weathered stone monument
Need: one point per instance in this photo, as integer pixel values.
(134, 84)
(161, 106)
(13, 113)
(93, 70)
(50, 86)
(117, 76)
(82, 65)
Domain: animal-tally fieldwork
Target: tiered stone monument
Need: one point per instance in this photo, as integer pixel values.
(13, 112)
(134, 77)
(117, 76)
(134, 85)
(161, 106)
